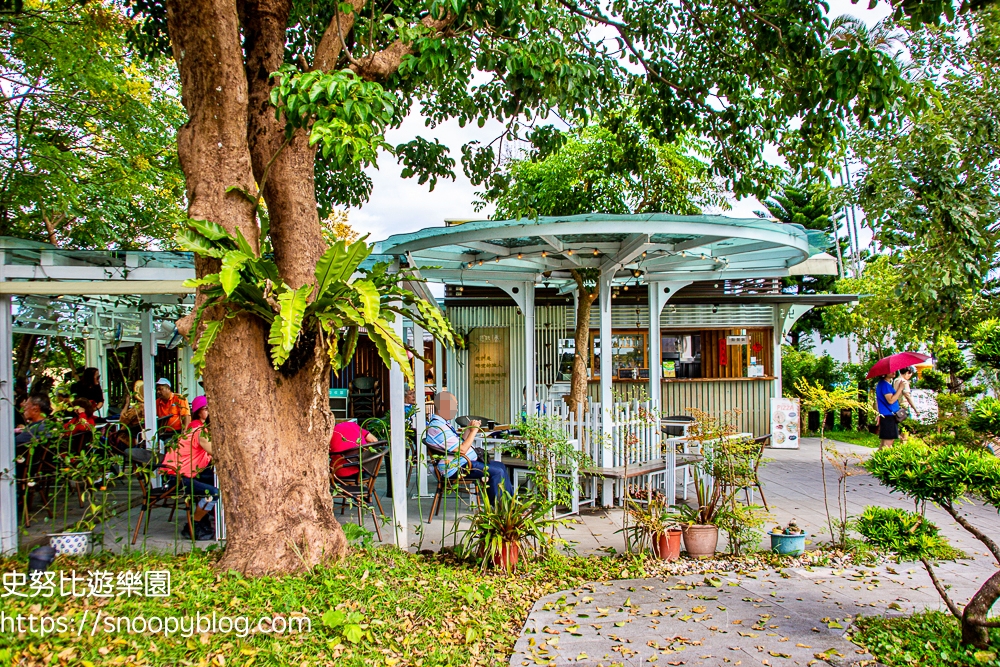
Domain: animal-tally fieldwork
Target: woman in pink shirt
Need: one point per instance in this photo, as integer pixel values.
(192, 459)
(347, 436)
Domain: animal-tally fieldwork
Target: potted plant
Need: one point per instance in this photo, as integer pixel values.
(90, 471)
(788, 541)
(726, 467)
(654, 524)
(501, 532)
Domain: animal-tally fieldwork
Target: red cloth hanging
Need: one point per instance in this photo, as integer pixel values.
(723, 351)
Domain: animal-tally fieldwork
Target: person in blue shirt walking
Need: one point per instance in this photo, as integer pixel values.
(887, 400)
(441, 434)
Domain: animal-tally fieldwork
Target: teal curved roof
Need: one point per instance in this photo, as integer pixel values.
(659, 245)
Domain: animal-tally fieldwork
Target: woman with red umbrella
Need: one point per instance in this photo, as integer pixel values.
(887, 394)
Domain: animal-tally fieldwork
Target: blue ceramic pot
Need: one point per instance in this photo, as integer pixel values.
(788, 545)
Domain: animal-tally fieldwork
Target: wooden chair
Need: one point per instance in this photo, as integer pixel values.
(359, 488)
(145, 466)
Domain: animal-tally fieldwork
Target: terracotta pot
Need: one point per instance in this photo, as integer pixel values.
(506, 558)
(701, 541)
(667, 545)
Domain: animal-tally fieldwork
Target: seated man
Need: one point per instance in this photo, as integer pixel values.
(442, 435)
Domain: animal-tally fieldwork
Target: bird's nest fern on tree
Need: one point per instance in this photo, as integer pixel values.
(344, 298)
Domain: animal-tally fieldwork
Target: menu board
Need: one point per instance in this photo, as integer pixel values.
(785, 418)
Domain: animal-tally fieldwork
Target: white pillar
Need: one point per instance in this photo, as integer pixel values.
(147, 344)
(655, 353)
(607, 398)
(8, 486)
(397, 446)
(438, 366)
(420, 415)
(529, 347)
(186, 376)
(659, 293)
(778, 336)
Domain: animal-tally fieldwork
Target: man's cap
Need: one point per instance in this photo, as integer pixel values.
(163, 381)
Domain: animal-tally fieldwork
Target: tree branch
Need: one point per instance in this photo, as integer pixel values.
(952, 607)
(332, 43)
(622, 30)
(979, 535)
(383, 64)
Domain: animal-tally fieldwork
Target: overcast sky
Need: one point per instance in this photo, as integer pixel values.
(400, 205)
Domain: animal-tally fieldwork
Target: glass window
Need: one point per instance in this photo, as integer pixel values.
(628, 351)
(680, 355)
(567, 349)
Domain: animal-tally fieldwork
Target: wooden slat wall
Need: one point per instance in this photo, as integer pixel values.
(738, 356)
(751, 397)
(366, 363)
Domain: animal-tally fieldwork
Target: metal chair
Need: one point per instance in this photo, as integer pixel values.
(678, 430)
(748, 490)
(359, 488)
(456, 483)
(145, 466)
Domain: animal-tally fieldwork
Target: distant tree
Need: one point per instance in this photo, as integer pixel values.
(930, 186)
(616, 167)
(879, 323)
(87, 130)
(810, 204)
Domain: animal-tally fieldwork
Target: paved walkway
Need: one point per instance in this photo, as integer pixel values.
(794, 616)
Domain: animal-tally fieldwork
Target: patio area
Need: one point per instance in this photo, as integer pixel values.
(791, 480)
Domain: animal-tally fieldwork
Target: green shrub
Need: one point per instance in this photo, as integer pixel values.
(799, 364)
(947, 476)
(904, 533)
(928, 639)
(985, 417)
(986, 343)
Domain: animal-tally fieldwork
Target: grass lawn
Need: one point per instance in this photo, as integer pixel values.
(863, 438)
(377, 607)
(929, 639)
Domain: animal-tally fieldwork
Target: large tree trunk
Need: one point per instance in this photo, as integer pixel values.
(976, 612)
(270, 432)
(578, 381)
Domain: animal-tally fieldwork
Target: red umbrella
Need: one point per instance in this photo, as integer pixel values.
(894, 362)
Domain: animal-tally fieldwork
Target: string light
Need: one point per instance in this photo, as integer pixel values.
(569, 252)
(644, 254)
(520, 256)
(480, 262)
(497, 259)
(545, 253)
(596, 252)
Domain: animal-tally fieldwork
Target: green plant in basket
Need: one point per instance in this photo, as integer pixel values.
(501, 532)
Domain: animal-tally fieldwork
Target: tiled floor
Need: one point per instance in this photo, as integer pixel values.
(793, 488)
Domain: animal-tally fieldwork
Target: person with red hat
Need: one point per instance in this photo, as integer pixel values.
(191, 462)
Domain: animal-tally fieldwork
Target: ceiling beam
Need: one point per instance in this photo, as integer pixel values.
(552, 242)
(697, 243)
(633, 246)
(486, 246)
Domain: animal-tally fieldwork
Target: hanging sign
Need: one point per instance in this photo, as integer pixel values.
(785, 423)
(737, 340)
